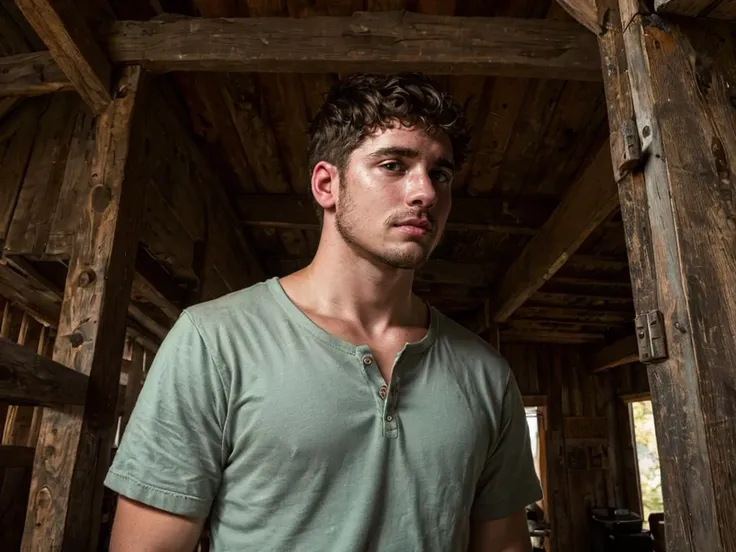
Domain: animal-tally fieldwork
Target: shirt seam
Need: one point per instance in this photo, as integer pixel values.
(218, 368)
(157, 489)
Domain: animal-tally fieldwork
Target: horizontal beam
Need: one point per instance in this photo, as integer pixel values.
(717, 9)
(367, 41)
(27, 378)
(31, 75)
(479, 213)
(618, 353)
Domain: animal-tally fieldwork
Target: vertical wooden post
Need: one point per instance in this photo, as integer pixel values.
(74, 443)
(672, 82)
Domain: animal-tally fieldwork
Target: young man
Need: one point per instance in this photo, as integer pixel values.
(333, 410)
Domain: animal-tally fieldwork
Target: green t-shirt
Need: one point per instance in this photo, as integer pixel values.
(283, 435)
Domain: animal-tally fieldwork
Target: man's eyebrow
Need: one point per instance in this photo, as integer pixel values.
(411, 153)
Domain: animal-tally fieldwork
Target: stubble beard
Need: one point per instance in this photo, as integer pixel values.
(345, 216)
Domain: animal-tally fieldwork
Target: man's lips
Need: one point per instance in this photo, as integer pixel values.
(415, 226)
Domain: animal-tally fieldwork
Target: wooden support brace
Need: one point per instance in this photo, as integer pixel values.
(74, 443)
(70, 42)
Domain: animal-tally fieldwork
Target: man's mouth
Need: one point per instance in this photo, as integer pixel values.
(415, 226)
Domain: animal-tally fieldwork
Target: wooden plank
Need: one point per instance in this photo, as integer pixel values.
(687, 182)
(134, 383)
(70, 42)
(387, 41)
(19, 129)
(580, 315)
(32, 379)
(31, 75)
(618, 353)
(584, 12)
(588, 202)
(690, 8)
(31, 224)
(16, 456)
(76, 185)
(66, 493)
(558, 490)
(480, 214)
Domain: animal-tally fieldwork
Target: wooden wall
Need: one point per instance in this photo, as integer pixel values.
(589, 451)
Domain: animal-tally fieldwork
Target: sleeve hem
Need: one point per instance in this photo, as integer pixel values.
(500, 510)
(168, 501)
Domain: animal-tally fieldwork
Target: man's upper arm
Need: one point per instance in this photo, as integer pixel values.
(171, 455)
(509, 479)
(139, 527)
(509, 534)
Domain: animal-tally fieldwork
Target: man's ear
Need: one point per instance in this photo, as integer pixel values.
(325, 184)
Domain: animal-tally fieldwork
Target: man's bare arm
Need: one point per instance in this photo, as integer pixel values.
(140, 528)
(510, 534)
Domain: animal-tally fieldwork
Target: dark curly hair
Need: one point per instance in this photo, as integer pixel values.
(363, 103)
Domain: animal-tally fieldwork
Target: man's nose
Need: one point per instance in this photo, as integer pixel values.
(421, 190)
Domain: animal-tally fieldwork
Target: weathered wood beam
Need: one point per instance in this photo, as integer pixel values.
(30, 379)
(31, 75)
(75, 444)
(588, 202)
(478, 213)
(375, 41)
(717, 9)
(680, 73)
(60, 26)
(618, 353)
(584, 12)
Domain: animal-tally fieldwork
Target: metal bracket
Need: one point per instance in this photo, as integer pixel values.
(632, 156)
(651, 338)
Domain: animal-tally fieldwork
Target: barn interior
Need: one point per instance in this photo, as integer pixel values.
(536, 256)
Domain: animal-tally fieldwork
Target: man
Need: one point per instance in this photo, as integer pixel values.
(333, 410)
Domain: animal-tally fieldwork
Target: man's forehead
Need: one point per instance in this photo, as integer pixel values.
(435, 143)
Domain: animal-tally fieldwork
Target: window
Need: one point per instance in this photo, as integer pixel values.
(647, 458)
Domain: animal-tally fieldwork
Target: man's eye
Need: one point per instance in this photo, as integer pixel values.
(441, 176)
(391, 166)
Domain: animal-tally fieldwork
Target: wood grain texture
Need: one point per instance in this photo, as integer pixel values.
(70, 42)
(584, 12)
(74, 443)
(723, 9)
(31, 379)
(689, 182)
(31, 224)
(385, 41)
(31, 75)
(588, 202)
(17, 134)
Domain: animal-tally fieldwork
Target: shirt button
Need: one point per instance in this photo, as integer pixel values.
(389, 418)
(367, 360)
(382, 392)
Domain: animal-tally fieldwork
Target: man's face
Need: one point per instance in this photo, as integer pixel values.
(395, 195)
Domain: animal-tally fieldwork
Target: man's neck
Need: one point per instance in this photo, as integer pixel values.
(341, 284)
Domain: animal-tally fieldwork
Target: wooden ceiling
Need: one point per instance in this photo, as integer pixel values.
(533, 141)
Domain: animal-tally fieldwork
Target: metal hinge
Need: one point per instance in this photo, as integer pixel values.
(651, 338)
(632, 148)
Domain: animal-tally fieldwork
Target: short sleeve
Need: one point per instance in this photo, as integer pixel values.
(509, 480)
(171, 454)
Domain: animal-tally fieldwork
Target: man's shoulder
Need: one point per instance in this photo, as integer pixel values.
(236, 309)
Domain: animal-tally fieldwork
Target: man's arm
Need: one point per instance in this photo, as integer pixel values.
(509, 534)
(138, 528)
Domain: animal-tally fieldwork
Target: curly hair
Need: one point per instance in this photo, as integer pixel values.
(364, 103)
